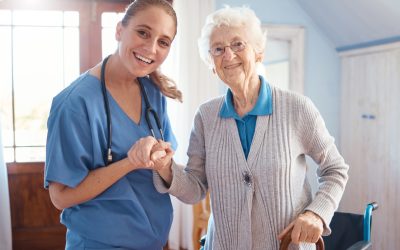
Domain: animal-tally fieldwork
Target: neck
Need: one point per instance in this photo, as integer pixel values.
(116, 75)
(245, 96)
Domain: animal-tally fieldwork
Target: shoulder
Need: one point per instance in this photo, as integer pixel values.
(149, 85)
(152, 91)
(83, 91)
(279, 94)
(291, 101)
(208, 112)
(212, 105)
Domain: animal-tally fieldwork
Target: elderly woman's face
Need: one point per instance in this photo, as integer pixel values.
(234, 57)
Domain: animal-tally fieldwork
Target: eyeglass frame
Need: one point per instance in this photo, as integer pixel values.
(234, 49)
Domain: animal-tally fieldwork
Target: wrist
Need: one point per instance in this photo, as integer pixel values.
(314, 217)
(166, 173)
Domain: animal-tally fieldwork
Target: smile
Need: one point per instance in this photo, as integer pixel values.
(143, 59)
(232, 66)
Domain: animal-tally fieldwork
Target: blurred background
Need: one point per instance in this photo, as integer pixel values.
(344, 55)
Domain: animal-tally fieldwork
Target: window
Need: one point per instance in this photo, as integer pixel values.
(42, 51)
(109, 21)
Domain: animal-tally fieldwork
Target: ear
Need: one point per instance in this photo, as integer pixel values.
(260, 56)
(118, 31)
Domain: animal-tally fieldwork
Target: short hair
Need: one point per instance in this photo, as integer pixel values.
(232, 17)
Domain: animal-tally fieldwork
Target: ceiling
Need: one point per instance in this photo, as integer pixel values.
(356, 23)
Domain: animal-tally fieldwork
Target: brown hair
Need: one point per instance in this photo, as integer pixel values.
(166, 85)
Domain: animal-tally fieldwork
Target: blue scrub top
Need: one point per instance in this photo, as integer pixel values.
(130, 214)
(247, 124)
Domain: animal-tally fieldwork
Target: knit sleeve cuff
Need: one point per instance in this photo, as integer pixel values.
(163, 187)
(325, 212)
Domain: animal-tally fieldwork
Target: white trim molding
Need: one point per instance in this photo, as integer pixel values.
(369, 50)
(293, 34)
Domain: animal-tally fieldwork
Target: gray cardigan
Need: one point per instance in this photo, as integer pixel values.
(253, 200)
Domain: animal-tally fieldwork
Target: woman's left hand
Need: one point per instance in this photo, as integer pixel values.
(308, 227)
(161, 155)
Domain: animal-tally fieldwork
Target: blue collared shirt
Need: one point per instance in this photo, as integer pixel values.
(247, 124)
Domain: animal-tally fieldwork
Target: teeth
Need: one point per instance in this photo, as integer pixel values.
(141, 58)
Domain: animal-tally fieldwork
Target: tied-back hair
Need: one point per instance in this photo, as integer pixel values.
(166, 85)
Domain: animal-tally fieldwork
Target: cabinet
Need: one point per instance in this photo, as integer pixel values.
(370, 138)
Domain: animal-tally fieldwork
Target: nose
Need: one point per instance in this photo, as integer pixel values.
(228, 53)
(151, 46)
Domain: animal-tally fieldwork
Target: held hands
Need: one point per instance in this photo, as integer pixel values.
(150, 153)
(161, 155)
(307, 227)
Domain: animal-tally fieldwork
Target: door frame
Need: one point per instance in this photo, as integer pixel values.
(294, 35)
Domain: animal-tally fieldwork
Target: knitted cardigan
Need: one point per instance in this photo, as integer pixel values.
(253, 200)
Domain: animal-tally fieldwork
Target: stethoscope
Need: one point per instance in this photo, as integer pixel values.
(148, 110)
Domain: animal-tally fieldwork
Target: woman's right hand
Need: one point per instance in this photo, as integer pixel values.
(147, 152)
(139, 154)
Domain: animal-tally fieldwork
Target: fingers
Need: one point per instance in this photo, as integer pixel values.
(139, 153)
(162, 158)
(308, 227)
(157, 155)
(147, 152)
(160, 150)
(284, 232)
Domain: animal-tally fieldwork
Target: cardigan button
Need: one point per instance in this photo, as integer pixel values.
(247, 178)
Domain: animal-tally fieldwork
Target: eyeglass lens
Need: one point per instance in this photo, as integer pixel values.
(235, 46)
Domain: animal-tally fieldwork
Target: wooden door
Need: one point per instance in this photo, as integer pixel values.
(35, 221)
(370, 140)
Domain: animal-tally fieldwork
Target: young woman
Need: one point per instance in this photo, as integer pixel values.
(98, 129)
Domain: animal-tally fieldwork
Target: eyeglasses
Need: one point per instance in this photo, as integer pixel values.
(235, 46)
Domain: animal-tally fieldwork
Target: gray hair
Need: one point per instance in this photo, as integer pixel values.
(232, 17)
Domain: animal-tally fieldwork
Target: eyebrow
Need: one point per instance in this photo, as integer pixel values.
(149, 28)
(234, 39)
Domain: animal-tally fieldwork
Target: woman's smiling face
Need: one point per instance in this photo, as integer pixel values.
(144, 43)
(233, 67)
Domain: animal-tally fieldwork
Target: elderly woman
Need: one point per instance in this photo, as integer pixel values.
(248, 149)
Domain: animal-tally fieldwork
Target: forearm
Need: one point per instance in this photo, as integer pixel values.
(166, 175)
(96, 182)
(186, 186)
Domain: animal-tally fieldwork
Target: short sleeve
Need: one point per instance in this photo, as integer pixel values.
(68, 149)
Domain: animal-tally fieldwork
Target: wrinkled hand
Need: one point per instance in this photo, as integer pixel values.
(139, 153)
(308, 227)
(161, 155)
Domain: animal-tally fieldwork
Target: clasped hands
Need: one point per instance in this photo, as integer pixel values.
(148, 152)
(307, 227)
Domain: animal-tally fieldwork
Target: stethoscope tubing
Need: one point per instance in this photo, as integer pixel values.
(107, 108)
(148, 110)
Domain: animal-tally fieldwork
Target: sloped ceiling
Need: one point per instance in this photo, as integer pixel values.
(356, 23)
